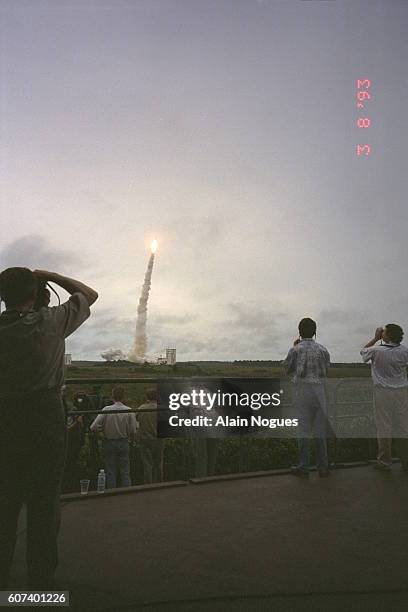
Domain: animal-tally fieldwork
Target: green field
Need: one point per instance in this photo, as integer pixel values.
(135, 392)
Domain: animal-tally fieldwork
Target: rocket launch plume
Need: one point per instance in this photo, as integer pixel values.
(138, 352)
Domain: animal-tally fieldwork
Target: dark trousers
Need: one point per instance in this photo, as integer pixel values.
(32, 453)
(310, 401)
(116, 454)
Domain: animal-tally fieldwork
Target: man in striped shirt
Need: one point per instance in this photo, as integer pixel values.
(389, 361)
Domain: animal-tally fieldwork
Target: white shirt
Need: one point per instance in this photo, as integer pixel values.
(115, 426)
(388, 364)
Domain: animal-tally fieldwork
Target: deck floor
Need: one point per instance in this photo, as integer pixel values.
(269, 543)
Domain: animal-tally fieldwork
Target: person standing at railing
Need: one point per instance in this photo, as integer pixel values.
(151, 447)
(75, 442)
(389, 361)
(308, 362)
(33, 432)
(117, 429)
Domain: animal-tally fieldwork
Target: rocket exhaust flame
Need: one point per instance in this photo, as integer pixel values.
(138, 353)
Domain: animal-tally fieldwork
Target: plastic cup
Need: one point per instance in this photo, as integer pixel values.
(84, 486)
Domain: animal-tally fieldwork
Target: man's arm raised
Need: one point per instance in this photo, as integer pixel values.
(69, 284)
(377, 337)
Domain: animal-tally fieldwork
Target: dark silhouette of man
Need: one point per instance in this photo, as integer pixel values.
(33, 432)
(151, 447)
(75, 441)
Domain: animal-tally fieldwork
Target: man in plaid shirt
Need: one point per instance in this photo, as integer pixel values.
(308, 362)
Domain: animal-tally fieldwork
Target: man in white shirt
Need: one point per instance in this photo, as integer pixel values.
(117, 429)
(389, 361)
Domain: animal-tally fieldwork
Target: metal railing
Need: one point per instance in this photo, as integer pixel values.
(359, 411)
(185, 457)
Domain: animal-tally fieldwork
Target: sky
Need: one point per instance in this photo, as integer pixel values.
(226, 129)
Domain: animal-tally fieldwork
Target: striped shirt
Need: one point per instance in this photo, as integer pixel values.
(388, 364)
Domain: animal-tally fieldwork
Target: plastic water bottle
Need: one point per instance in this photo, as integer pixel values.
(101, 481)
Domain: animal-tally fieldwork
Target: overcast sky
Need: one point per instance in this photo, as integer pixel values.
(227, 130)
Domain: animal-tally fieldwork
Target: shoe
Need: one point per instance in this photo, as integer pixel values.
(382, 467)
(324, 473)
(299, 472)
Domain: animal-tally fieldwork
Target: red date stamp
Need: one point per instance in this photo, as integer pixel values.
(363, 95)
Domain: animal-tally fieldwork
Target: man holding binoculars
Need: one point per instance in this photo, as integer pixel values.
(32, 432)
(389, 361)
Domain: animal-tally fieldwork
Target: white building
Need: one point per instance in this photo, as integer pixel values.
(68, 359)
(171, 356)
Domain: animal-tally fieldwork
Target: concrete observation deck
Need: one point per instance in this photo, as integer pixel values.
(267, 543)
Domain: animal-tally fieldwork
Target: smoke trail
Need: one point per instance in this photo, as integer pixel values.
(138, 353)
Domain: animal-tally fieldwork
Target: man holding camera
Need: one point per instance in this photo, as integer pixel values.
(308, 362)
(389, 361)
(32, 432)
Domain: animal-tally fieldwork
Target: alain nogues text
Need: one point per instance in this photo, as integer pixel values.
(198, 401)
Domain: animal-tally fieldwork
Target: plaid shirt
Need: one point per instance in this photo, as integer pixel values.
(308, 361)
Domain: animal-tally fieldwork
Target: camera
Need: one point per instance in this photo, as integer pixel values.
(43, 295)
